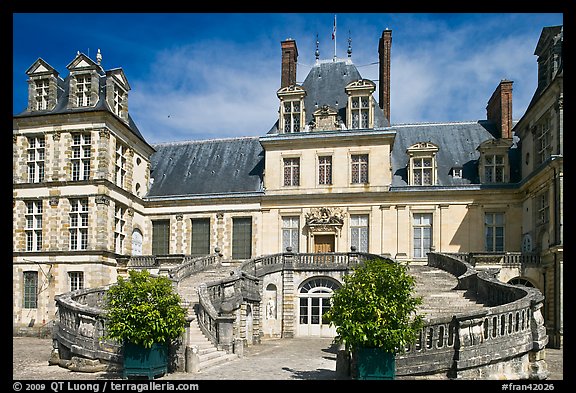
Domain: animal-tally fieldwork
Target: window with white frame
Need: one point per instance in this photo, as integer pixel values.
(78, 224)
(360, 111)
(118, 100)
(359, 170)
(33, 225)
(494, 231)
(542, 209)
(290, 233)
(494, 166)
(35, 160)
(76, 280)
(292, 171)
(119, 224)
(422, 171)
(359, 232)
(30, 290)
(422, 234)
(325, 170)
(120, 165)
(542, 140)
(292, 113)
(81, 155)
(83, 87)
(42, 90)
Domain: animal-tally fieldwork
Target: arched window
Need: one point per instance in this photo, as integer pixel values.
(137, 242)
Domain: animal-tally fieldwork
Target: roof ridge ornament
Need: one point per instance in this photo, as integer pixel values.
(317, 53)
(349, 44)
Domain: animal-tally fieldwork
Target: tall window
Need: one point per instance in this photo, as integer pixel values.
(542, 208)
(360, 169)
(423, 171)
(200, 242)
(241, 238)
(120, 166)
(30, 290)
(119, 223)
(292, 171)
(137, 239)
(494, 231)
(542, 141)
(494, 168)
(292, 116)
(36, 146)
(78, 224)
(161, 237)
(422, 232)
(34, 226)
(118, 98)
(325, 170)
(42, 86)
(81, 156)
(359, 232)
(290, 233)
(76, 280)
(360, 112)
(83, 86)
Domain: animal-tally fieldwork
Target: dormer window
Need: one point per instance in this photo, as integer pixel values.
(118, 98)
(83, 87)
(360, 109)
(117, 88)
(42, 86)
(457, 172)
(292, 112)
(493, 164)
(422, 169)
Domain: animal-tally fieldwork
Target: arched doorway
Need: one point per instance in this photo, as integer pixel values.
(313, 301)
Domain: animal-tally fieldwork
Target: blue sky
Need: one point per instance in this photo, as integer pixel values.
(201, 75)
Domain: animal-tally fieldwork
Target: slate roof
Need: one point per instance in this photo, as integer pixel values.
(324, 85)
(217, 166)
(457, 143)
(64, 95)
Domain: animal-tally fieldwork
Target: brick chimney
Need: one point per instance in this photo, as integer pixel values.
(384, 48)
(289, 59)
(499, 109)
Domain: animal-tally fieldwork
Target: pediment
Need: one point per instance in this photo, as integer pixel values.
(423, 147)
(40, 67)
(82, 62)
(495, 144)
(119, 77)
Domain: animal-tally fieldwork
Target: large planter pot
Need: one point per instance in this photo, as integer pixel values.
(375, 363)
(145, 362)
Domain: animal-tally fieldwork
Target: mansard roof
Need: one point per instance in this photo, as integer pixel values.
(457, 143)
(209, 167)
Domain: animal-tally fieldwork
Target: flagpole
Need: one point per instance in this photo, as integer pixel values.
(334, 34)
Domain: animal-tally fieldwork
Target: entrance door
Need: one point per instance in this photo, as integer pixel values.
(313, 302)
(324, 243)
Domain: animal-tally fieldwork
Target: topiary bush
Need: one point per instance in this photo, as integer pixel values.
(144, 310)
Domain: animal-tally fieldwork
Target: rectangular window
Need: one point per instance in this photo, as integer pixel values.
(81, 154)
(83, 86)
(360, 169)
(422, 232)
(291, 116)
(120, 164)
(242, 238)
(35, 160)
(118, 98)
(78, 224)
(290, 233)
(30, 289)
(292, 171)
(42, 86)
(494, 168)
(325, 170)
(542, 141)
(161, 237)
(359, 232)
(200, 242)
(76, 280)
(119, 224)
(360, 112)
(494, 231)
(543, 209)
(33, 225)
(422, 167)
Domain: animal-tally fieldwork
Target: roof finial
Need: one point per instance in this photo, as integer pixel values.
(349, 44)
(317, 50)
(99, 57)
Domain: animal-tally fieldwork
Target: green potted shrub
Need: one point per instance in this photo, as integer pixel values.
(375, 315)
(144, 313)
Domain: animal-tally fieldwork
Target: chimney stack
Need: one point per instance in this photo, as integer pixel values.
(289, 59)
(384, 48)
(499, 109)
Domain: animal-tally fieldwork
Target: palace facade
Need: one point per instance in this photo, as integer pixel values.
(333, 174)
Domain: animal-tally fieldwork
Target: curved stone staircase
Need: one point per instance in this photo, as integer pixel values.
(436, 286)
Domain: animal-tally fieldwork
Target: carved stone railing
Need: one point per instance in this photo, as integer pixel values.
(508, 259)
